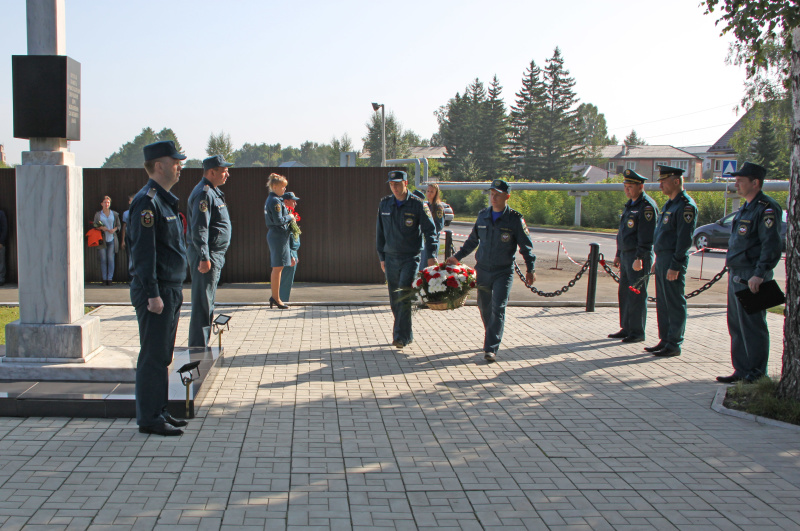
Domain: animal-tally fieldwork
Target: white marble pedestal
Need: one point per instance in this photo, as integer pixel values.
(50, 227)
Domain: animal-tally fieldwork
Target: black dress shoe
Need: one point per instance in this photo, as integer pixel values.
(632, 339)
(161, 429)
(619, 335)
(660, 345)
(172, 421)
(668, 352)
(733, 378)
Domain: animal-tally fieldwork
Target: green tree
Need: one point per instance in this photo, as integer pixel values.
(338, 146)
(593, 132)
(193, 163)
(220, 144)
(396, 143)
(763, 137)
(131, 154)
(526, 142)
(759, 23)
(261, 155)
(634, 140)
(494, 129)
(561, 137)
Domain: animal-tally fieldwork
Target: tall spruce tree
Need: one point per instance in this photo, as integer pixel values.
(526, 118)
(634, 140)
(561, 146)
(494, 129)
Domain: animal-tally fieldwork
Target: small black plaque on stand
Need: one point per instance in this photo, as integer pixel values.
(47, 96)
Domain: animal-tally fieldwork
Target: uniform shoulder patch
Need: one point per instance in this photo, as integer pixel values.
(203, 206)
(277, 207)
(427, 209)
(148, 218)
(688, 215)
(151, 193)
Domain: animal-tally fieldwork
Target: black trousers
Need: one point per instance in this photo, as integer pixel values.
(157, 339)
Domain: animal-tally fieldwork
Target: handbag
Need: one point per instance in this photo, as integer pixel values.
(769, 295)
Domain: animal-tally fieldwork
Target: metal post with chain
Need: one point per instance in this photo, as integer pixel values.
(694, 293)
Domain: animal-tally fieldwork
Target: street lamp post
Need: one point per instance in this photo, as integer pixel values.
(375, 107)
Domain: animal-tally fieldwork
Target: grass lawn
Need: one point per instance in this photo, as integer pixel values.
(759, 399)
(11, 313)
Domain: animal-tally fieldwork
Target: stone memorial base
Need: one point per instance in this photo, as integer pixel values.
(77, 342)
(102, 387)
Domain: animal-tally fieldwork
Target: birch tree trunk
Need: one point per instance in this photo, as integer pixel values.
(789, 386)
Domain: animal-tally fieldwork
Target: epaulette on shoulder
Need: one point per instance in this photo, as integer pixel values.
(206, 188)
(513, 213)
(386, 197)
(151, 193)
(415, 198)
(763, 203)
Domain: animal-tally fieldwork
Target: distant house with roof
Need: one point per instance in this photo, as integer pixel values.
(645, 160)
(702, 152)
(722, 150)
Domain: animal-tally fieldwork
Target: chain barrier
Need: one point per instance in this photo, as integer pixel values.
(557, 292)
(694, 293)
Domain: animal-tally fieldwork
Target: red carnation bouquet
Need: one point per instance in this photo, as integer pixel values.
(443, 287)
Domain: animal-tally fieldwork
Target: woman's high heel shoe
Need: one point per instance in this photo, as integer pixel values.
(278, 304)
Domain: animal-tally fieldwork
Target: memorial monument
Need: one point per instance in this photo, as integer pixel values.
(52, 326)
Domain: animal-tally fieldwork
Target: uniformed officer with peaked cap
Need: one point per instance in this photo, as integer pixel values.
(209, 238)
(404, 226)
(754, 249)
(497, 233)
(158, 263)
(634, 257)
(673, 238)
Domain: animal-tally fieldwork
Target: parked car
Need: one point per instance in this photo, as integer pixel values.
(716, 235)
(448, 214)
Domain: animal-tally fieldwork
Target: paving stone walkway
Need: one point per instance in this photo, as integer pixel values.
(316, 423)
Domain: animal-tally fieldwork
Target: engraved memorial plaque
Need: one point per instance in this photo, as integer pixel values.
(47, 96)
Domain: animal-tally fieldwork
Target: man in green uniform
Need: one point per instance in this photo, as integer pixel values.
(209, 238)
(158, 263)
(634, 257)
(497, 233)
(754, 250)
(673, 237)
(404, 226)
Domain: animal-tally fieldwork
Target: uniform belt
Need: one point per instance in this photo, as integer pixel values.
(164, 284)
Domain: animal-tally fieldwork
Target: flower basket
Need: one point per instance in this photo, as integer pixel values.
(443, 305)
(443, 287)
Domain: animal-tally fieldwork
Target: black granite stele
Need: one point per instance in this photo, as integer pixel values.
(108, 399)
(47, 96)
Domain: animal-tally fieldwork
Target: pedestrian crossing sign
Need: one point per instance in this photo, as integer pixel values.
(728, 167)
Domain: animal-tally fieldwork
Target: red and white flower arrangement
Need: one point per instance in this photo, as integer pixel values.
(443, 286)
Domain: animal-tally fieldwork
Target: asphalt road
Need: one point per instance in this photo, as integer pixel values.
(577, 243)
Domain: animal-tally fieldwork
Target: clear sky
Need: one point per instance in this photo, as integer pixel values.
(270, 71)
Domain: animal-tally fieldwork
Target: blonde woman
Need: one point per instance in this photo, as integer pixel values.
(434, 199)
(277, 218)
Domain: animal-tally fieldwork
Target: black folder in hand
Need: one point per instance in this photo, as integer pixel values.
(769, 295)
